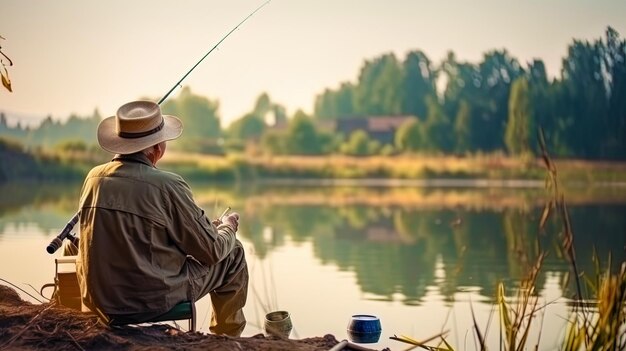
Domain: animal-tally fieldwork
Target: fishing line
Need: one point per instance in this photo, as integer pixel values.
(213, 48)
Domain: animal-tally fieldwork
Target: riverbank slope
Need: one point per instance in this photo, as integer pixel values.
(26, 326)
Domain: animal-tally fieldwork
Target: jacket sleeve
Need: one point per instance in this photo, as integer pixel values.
(192, 231)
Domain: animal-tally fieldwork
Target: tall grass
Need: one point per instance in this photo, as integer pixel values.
(251, 167)
(596, 321)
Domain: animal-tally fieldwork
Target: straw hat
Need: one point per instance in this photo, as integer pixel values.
(136, 126)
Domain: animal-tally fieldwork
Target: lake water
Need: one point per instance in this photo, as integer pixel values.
(419, 256)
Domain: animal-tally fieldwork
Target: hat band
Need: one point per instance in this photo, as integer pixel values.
(131, 135)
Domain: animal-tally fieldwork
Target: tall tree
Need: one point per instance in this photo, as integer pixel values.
(379, 88)
(615, 67)
(437, 129)
(325, 105)
(248, 128)
(541, 101)
(408, 137)
(199, 114)
(201, 120)
(462, 128)
(519, 124)
(463, 83)
(336, 104)
(418, 83)
(586, 97)
(497, 71)
(302, 137)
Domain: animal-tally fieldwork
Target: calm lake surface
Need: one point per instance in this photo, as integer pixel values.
(418, 256)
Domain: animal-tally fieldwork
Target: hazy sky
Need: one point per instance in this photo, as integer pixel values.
(72, 56)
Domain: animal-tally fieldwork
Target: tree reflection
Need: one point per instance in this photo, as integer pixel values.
(394, 251)
(397, 243)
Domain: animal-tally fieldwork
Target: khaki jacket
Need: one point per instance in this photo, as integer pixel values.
(138, 224)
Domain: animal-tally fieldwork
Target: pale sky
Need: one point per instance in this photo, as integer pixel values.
(72, 56)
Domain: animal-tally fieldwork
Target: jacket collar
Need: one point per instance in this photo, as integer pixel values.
(136, 157)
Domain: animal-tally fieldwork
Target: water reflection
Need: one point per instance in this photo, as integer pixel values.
(46, 206)
(397, 241)
(394, 250)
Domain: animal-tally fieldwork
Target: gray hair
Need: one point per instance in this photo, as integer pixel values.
(149, 151)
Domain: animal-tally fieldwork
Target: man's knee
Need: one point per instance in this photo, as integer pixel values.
(239, 258)
(238, 251)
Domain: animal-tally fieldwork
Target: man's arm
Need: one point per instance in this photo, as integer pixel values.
(194, 233)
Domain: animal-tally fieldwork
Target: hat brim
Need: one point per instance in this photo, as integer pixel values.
(113, 143)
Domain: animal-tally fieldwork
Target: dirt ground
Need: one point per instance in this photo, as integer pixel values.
(27, 326)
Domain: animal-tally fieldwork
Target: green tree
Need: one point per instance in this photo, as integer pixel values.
(408, 137)
(418, 83)
(585, 97)
(200, 119)
(274, 142)
(249, 128)
(263, 105)
(199, 114)
(542, 96)
(302, 137)
(614, 60)
(520, 123)
(335, 104)
(280, 114)
(497, 71)
(379, 90)
(463, 83)
(462, 128)
(436, 131)
(360, 144)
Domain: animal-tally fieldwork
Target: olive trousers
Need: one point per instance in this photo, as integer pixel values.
(227, 284)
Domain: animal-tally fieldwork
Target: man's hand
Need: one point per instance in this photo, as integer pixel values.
(232, 220)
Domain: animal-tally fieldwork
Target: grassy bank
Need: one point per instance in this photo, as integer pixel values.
(19, 165)
(59, 164)
(194, 166)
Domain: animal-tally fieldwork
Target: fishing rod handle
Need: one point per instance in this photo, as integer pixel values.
(54, 245)
(58, 240)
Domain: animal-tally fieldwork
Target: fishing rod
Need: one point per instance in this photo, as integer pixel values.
(210, 51)
(66, 233)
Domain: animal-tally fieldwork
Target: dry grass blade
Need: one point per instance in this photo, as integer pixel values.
(20, 289)
(546, 214)
(568, 243)
(504, 311)
(6, 82)
(479, 335)
(544, 153)
(516, 319)
(4, 74)
(422, 344)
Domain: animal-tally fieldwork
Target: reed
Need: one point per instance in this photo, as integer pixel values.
(596, 322)
(516, 319)
(602, 327)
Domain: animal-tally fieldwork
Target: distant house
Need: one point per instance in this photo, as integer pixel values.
(381, 128)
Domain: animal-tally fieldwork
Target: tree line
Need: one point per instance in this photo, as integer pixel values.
(498, 103)
(455, 107)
